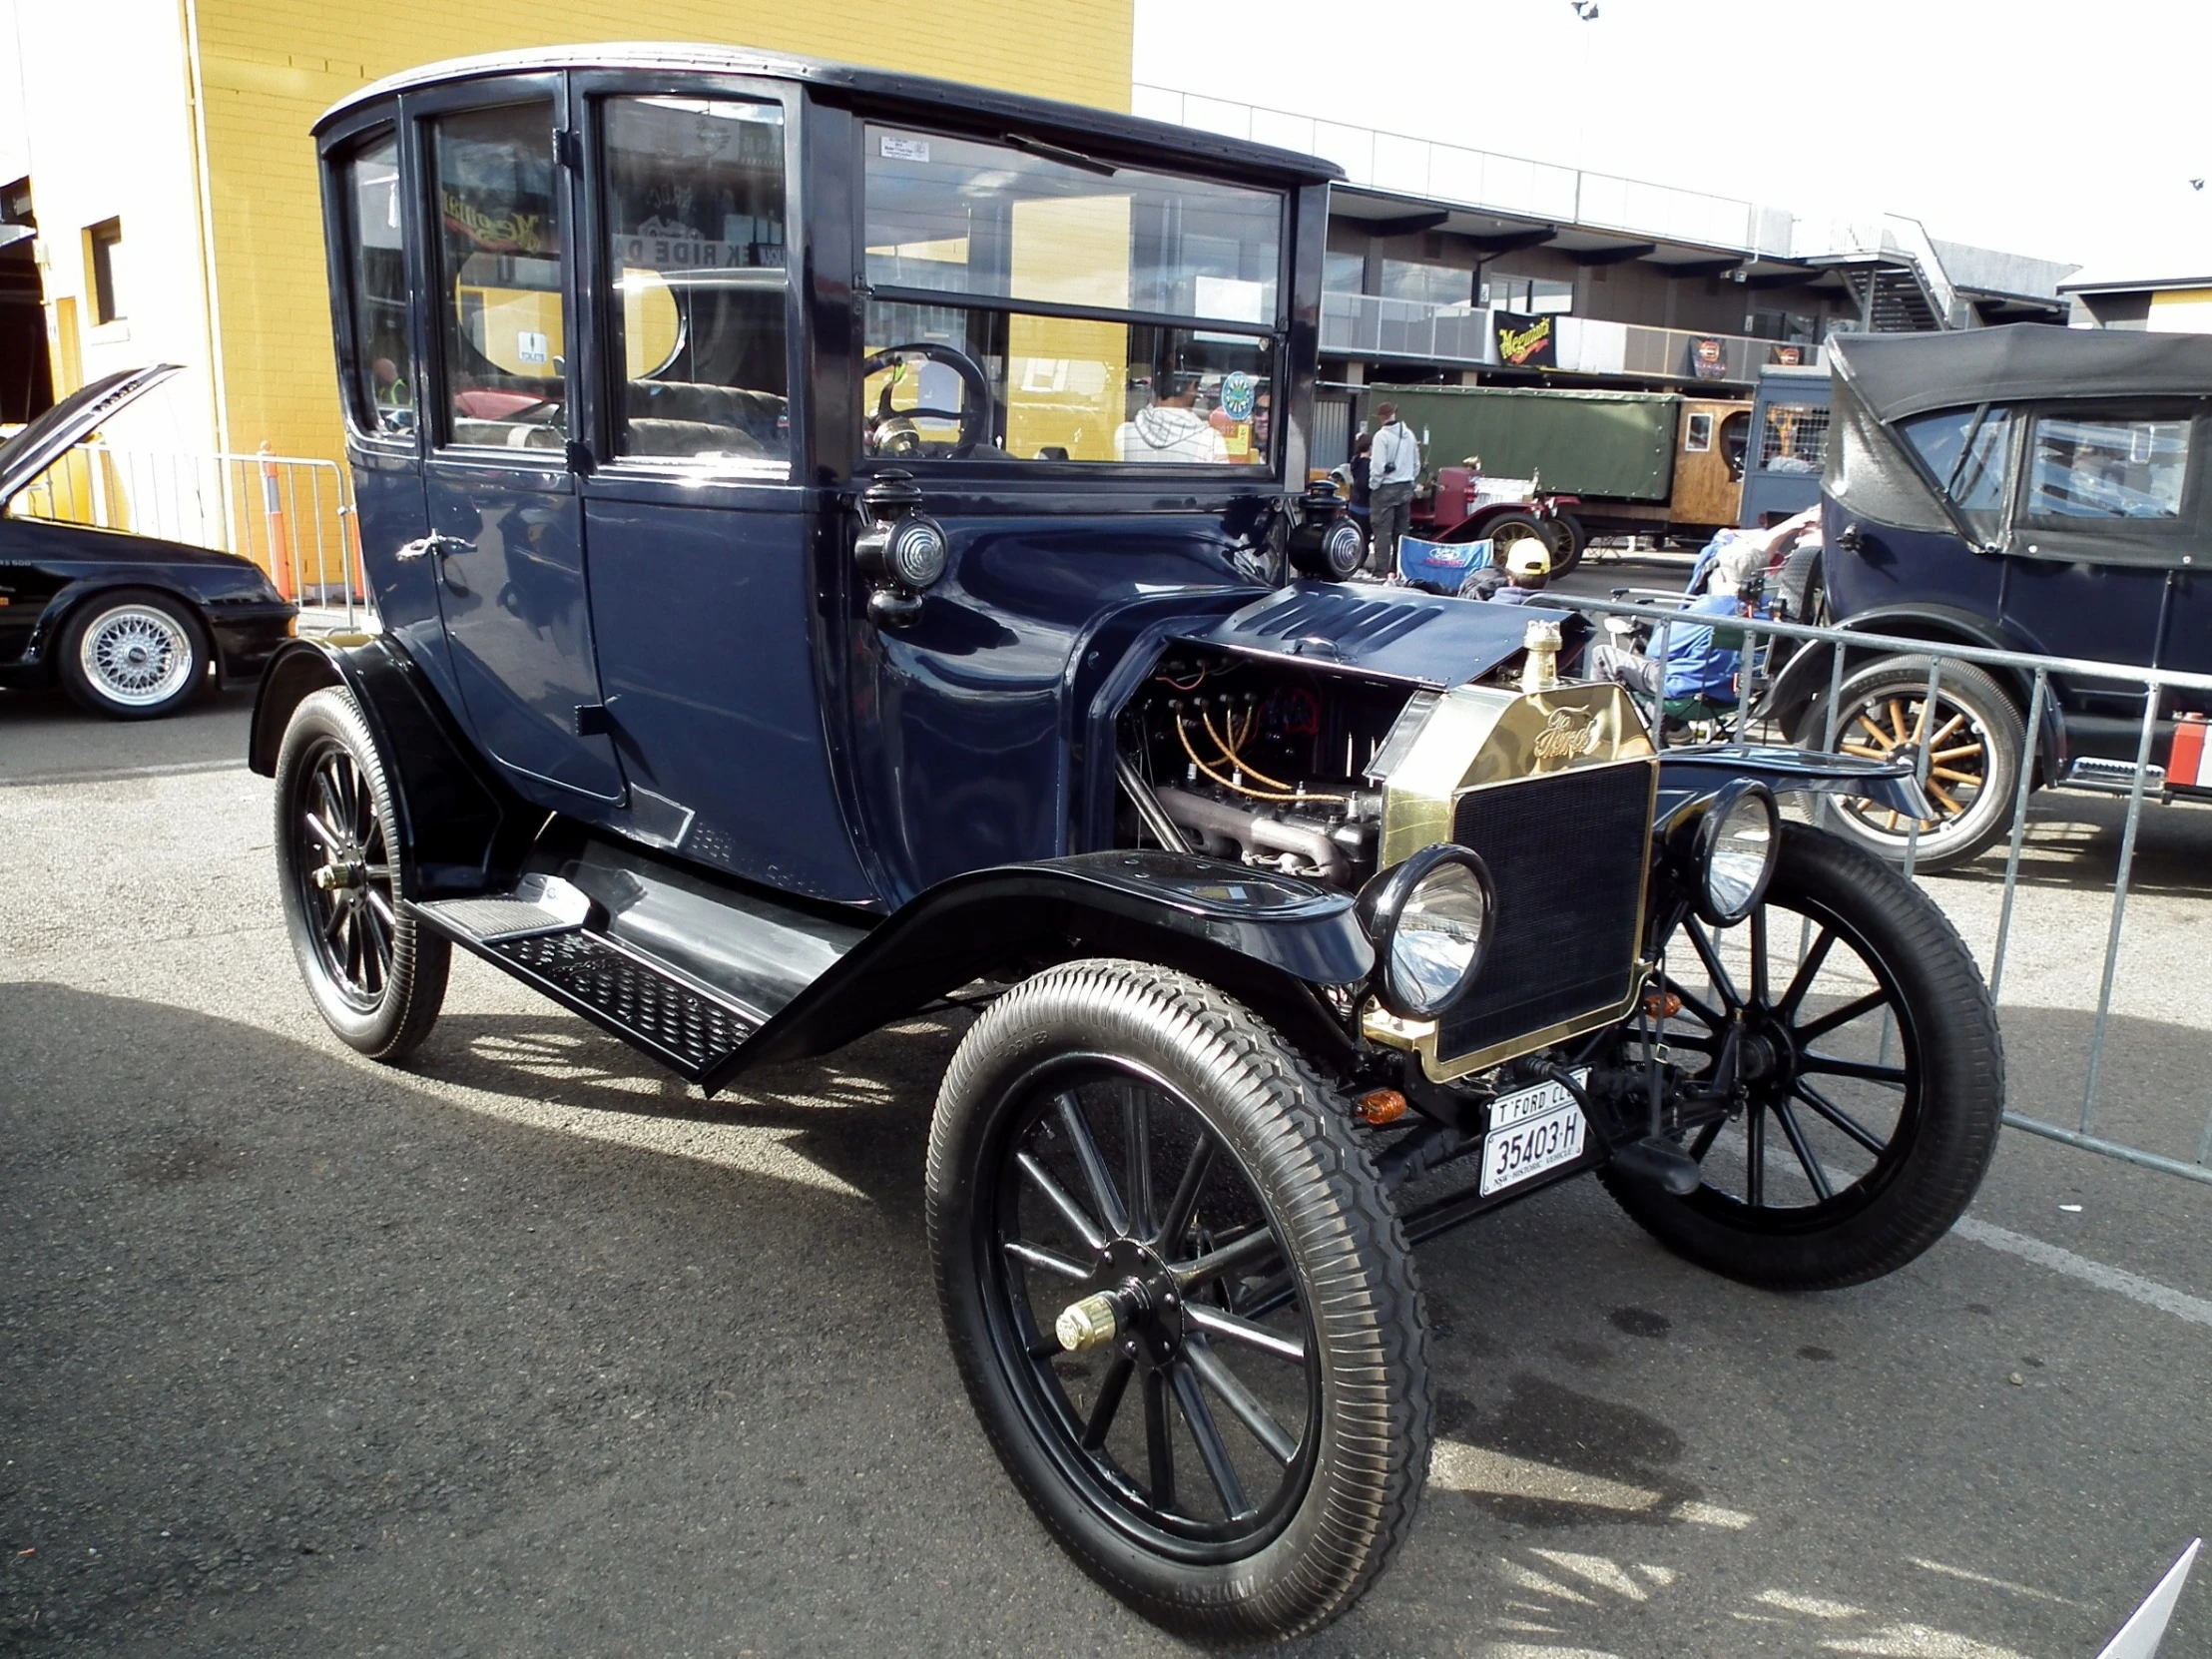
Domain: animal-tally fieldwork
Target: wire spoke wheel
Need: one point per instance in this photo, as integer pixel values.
(1849, 1037)
(134, 654)
(1191, 1425)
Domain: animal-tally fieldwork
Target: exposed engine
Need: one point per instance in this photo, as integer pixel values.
(1261, 762)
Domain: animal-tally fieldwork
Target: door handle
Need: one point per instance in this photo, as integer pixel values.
(424, 546)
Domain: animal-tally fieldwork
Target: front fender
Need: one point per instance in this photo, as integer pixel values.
(1690, 775)
(1267, 940)
(460, 828)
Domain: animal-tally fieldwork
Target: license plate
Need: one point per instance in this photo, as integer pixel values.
(1531, 1130)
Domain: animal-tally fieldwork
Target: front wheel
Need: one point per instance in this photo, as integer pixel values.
(378, 975)
(1868, 1076)
(1180, 1300)
(134, 654)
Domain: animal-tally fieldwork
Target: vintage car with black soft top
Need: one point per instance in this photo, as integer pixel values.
(837, 555)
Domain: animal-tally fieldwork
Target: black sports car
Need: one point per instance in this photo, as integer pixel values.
(131, 625)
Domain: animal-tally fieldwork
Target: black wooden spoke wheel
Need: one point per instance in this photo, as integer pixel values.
(377, 977)
(1180, 1300)
(1854, 1034)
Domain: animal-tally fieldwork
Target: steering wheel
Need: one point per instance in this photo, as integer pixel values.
(974, 417)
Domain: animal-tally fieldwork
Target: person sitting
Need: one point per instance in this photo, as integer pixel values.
(1526, 573)
(1171, 429)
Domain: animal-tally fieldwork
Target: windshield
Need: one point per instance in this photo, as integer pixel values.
(1032, 305)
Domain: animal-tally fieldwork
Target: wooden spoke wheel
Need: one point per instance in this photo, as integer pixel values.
(1975, 745)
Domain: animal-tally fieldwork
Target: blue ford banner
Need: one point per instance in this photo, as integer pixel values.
(1440, 566)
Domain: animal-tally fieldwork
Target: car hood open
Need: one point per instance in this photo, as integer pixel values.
(1422, 639)
(48, 436)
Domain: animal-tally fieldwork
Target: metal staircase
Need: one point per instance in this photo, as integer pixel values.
(1892, 271)
(1892, 298)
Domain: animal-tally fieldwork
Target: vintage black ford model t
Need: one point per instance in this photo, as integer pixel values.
(831, 533)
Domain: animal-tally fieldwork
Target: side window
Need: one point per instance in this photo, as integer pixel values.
(501, 335)
(1965, 453)
(695, 242)
(1735, 437)
(382, 397)
(1697, 436)
(1794, 438)
(2104, 466)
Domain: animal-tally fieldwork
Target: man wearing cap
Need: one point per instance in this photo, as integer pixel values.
(1527, 566)
(1394, 467)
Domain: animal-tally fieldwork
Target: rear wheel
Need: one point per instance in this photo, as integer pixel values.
(1976, 745)
(1126, 1161)
(1869, 1069)
(134, 654)
(378, 975)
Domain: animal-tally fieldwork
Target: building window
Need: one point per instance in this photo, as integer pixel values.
(100, 242)
(1344, 273)
(1429, 285)
(1783, 326)
(1528, 296)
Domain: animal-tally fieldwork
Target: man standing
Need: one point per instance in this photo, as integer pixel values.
(1394, 463)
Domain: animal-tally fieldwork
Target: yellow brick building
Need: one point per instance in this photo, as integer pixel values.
(168, 151)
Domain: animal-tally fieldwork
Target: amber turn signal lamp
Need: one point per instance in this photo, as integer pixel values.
(1382, 1106)
(1662, 1004)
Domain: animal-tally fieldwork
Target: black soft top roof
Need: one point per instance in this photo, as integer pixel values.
(1897, 375)
(944, 99)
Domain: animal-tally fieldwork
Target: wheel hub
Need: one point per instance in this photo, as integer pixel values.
(1134, 1302)
(343, 874)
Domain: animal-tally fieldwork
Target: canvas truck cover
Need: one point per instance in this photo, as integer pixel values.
(1617, 444)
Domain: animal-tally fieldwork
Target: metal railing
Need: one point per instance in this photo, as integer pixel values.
(2040, 671)
(1482, 178)
(291, 515)
(1368, 325)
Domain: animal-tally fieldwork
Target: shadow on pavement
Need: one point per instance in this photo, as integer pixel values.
(45, 736)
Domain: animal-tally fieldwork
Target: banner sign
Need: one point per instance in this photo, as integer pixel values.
(1708, 357)
(1526, 341)
(1786, 357)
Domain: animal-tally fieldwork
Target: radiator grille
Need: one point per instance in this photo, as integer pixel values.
(1571, 855)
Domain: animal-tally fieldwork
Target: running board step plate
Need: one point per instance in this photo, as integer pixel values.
(539, 934)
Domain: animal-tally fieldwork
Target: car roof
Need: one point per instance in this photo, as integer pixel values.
(1897, 375)
(924, 97)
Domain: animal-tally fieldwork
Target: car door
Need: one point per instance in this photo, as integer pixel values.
(505, 515)
(2093, 484)
(695, 523)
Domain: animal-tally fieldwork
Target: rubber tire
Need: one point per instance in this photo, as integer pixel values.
(1990, 819)
(70, 642)
(1569, 542)
(415, 990)
(1962, 1084)
(1294, 1139)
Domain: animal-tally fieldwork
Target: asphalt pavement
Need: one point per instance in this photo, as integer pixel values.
(526, 1350)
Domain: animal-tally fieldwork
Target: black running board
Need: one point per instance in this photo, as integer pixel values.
(542, 934)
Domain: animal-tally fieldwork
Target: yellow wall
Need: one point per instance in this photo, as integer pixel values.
(2181, 312)
(269, 67)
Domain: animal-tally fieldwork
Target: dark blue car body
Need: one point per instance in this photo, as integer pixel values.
(2036, 543)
